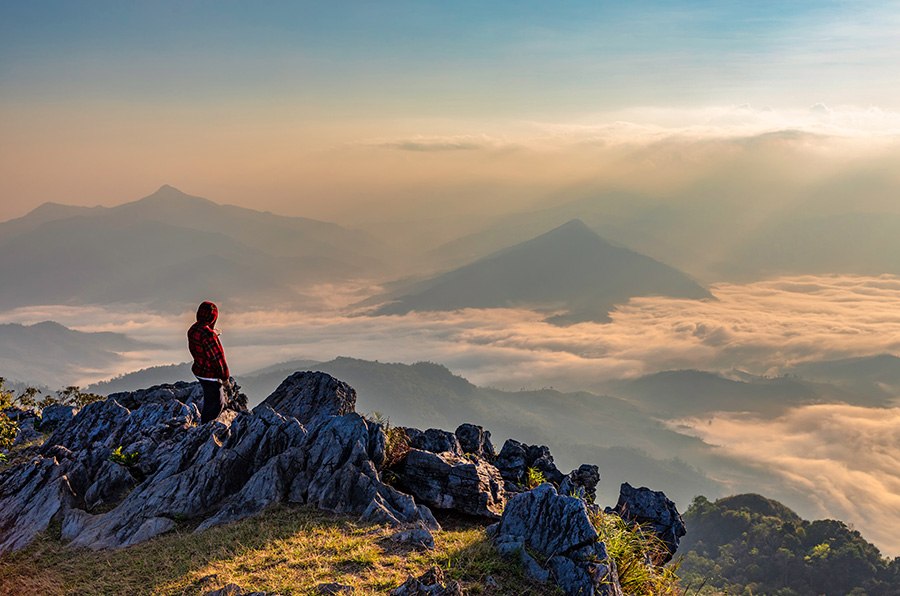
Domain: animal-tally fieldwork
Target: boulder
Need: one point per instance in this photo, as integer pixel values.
(581, 483)
(446, 481)
(475, 440)
(31, 496)
(26, 433)
(111, 484)
(433, 440)
(515, 458)
(308, 395)
(654, 510)
(55, 416)
(556, 528)
(430, 583)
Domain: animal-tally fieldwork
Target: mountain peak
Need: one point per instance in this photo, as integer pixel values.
(171, 196)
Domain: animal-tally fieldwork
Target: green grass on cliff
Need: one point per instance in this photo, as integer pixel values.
(287, 549)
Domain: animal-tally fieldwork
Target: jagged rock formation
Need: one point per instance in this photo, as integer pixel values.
(447, 481)
(654, 510)
(515, 458)
(127, 469)
(216, 472)
(557, 529)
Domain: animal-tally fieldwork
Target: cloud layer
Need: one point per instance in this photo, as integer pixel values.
(761, 327)
(846, 459)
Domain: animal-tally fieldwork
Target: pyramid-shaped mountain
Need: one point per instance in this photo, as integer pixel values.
(172, 248)
(569, 270)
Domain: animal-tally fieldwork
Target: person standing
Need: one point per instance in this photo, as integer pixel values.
(209, 366)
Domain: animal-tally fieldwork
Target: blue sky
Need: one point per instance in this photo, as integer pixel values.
(446, 58)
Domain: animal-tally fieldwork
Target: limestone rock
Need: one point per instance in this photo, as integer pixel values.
(52, 417)
(433, 440)
(445, 481)
(308, 395)
(581, 483)
(557, 529)
(214, 473)
(27, 432)
(515, 458)
(111, 484)
(431, 583)
(653, 509)
(31, 496)
(475, 440)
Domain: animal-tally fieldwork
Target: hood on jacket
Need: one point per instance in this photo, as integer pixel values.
(207, 313)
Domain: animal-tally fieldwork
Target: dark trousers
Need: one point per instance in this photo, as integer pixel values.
(213, 400)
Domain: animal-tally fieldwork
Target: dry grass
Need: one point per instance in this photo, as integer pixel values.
(288, 550)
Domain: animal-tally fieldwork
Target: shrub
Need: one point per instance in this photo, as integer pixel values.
(8, 431)
(534, 478)
(74, 396)
(6, 396)
(396, 442)
(118, 456)
(634, 549)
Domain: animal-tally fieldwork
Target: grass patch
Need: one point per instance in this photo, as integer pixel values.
(634, 549)
(287, 549)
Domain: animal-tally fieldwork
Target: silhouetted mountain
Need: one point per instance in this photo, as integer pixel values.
(170, 248)
(569, 269)
(49, 354)
(691, 392)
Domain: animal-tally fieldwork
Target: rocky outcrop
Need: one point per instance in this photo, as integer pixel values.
(476, 440)
(581, 483)
(651, 509)
(515, 458)
(134, 466)
(54, 416)
(171, 469)
(31, 496)
(307, 395)
(433, 440)
(446, 481)
(555, 540)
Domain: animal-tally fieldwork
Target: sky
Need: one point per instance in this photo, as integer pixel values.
(311, 108)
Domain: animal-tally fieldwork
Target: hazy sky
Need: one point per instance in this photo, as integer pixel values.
(314, 107)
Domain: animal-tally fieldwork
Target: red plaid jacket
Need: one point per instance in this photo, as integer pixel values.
(205, 347)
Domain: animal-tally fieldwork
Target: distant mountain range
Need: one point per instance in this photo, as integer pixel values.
(171, 248)
(50, 353)
(569, 271)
